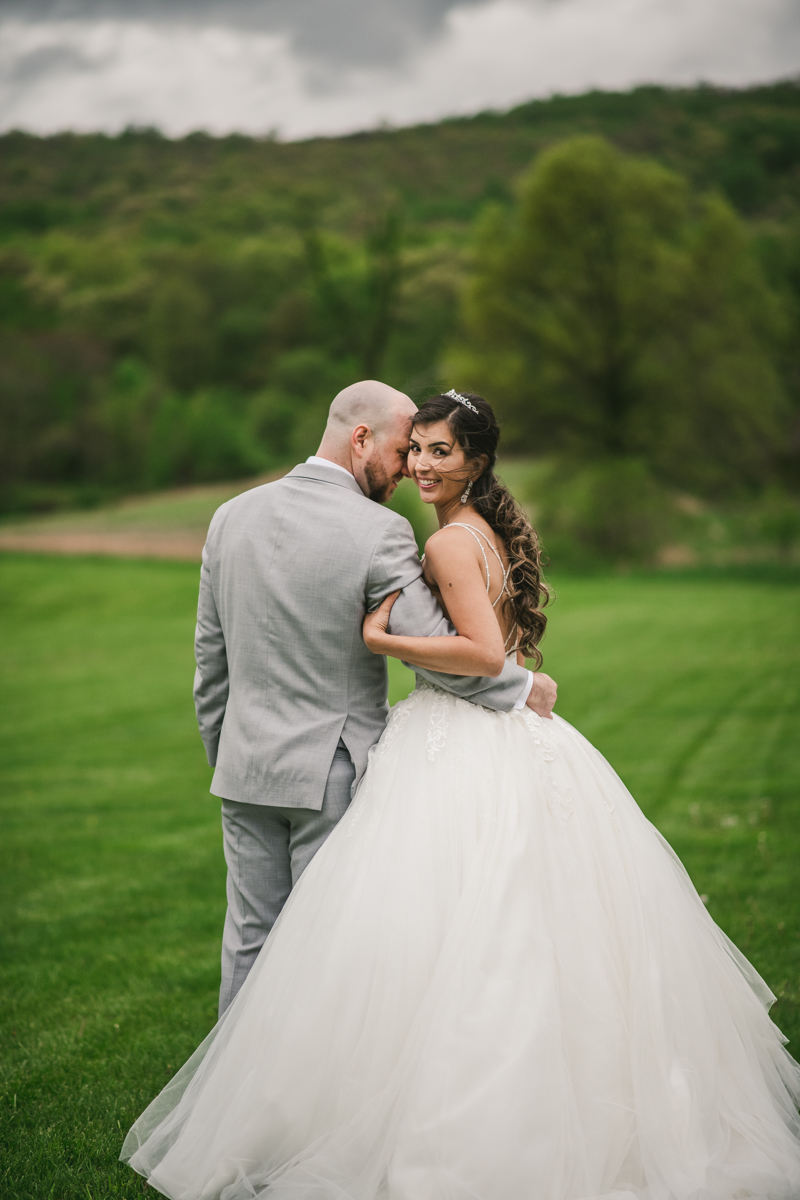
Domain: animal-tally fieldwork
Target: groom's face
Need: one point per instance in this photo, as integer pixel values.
(386, 464)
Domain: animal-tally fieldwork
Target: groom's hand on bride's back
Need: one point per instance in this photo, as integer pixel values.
(543, 695)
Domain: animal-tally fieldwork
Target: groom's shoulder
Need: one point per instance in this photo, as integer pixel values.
(273, 491)
(391, 537)
(392, 524)
(252, 500)
(326, 501)
(350, 512)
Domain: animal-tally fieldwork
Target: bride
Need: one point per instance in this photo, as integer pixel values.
(495, 981)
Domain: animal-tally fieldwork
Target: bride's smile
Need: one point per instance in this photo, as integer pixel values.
(439, 467)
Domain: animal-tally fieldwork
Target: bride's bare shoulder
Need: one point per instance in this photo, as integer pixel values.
(448, 534)
(449, 544)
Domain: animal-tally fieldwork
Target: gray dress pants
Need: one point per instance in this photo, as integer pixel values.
(267, 849)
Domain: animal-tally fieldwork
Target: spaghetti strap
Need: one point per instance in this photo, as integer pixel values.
(478, 534)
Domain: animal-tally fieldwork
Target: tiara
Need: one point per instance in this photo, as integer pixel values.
(454, 395)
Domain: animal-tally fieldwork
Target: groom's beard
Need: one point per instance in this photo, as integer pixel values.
(379, 483)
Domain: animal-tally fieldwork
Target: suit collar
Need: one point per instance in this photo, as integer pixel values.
(326, 475)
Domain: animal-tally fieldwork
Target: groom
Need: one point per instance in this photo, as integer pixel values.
(289, 699)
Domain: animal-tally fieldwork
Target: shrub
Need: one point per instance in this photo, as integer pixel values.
(609, 512)
(777, 518)
(201, 439)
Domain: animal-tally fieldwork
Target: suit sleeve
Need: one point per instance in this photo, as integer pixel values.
(211, 677)
(416, 613)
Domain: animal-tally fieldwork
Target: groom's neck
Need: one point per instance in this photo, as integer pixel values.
(338, 460)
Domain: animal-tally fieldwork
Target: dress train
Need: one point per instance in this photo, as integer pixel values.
(494, 982)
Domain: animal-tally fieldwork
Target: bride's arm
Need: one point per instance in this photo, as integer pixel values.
(478, 647)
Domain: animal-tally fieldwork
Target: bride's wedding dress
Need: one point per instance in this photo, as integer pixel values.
(494, 982)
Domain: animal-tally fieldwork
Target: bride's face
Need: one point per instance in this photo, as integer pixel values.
(437, 464)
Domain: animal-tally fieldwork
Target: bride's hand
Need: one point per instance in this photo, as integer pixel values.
(374, 628)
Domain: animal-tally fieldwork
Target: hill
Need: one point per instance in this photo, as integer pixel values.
(176, 312)
(746, 143)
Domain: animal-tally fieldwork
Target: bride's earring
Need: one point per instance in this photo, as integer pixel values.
(466, 492)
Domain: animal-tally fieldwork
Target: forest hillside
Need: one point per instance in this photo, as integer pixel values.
(619, 273)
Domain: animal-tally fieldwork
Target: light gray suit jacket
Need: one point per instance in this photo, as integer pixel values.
(289, 570)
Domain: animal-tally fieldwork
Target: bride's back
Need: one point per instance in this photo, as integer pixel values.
(491, 556)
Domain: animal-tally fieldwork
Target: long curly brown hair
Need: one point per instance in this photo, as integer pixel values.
(478, 433)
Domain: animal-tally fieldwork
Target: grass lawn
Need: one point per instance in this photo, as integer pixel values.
(187, 509)
(112, 870)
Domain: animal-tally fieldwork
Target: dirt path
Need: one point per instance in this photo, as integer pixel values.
(169, 524)
(119, 543)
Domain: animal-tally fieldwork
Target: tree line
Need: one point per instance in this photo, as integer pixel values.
(620, 275)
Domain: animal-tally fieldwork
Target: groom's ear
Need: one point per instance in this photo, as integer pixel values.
(359, 438)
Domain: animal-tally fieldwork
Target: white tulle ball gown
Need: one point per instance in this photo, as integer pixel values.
(494, 982)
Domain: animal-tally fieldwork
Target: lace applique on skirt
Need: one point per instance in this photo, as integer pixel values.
(398, 719)
(560, 800)
(438, 724)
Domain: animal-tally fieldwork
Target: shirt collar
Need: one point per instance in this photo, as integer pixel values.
(326, 462)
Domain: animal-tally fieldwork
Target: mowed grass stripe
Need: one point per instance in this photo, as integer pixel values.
(689, 685)
(112, 881)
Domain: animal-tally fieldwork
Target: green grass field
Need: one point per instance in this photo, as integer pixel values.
(112, 869)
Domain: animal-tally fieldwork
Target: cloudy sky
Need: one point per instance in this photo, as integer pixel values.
(303, 67)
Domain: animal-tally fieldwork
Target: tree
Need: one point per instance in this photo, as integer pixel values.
(357, 297)
(613, 313)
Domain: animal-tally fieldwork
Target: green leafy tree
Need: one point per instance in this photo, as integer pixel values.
(179, 332)
(49, 422)
(612, 313)
(357, 292)
(201, 439)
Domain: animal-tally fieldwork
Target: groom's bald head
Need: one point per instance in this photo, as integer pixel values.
(368, 403)
(367, 433)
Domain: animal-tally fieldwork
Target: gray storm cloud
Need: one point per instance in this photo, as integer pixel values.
(302, 67)
(346, 32)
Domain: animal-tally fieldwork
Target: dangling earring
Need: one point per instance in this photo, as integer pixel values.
(466, 492)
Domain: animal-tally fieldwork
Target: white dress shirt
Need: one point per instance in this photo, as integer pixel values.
(326, 462)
